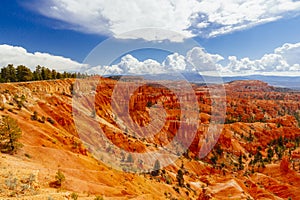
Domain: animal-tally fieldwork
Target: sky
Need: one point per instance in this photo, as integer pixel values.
(232, 37)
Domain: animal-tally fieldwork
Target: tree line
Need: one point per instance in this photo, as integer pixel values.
(22, 73)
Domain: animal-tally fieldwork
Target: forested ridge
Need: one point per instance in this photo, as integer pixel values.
(22, 73)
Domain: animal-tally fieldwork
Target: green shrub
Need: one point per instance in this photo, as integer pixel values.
(27, 155)
(11, 183)
(98, 198)
(2, 107)
(168, 180)
(34, 116)
(42, 119)
(51, 121)
(74, 196)
(60, 177)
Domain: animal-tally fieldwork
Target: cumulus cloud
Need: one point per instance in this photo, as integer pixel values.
(195, 60)
(129, 65)
(283, 61)
(19, 56)
(290, 52)
(187, 17)
(105, 70)
(198, 59)
(175, 62)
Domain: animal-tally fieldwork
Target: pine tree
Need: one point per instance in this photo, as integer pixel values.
(37, 74)
(23, 73)
(180, 178)
(53, 74)
(4, 75)
(11, 73)
(10, 132)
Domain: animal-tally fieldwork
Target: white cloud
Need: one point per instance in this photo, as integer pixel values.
(187, 17)
(290, 52)
(284, 61)
(19, 56)
(175, 62)
(118, 16)
(196, 60)
(295, 68)
(129, 65)
(105, 70)
(237, 27)
(232, 15)
(201, 60)
(238, 65)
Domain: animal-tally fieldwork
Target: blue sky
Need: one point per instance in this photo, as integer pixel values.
(245, 37)
(21, 26)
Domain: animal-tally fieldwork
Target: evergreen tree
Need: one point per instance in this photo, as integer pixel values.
(37, 74)
(53, 74)
(8, 74)
(180, 178)
(11, 71)
(46, 73)
(23, 73)
(214, 159)
(4, 75)
(58, 75)
(270, 154)
(241, 167)
(9, 135)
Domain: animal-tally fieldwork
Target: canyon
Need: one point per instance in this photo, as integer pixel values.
(238, 140)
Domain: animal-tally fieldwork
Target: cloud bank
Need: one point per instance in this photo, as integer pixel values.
(285, 60)
(19, 56)
(190, 18)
